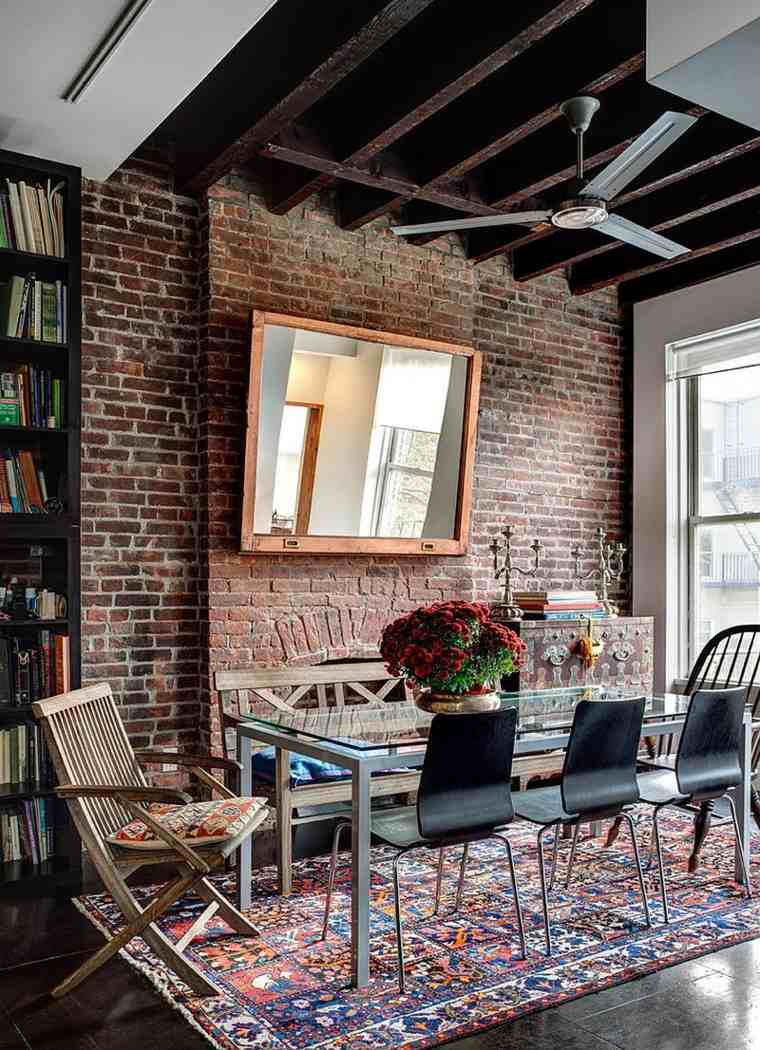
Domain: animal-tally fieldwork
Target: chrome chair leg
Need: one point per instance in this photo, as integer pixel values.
(516, 892)
(739, 847)
(555, 855)
(460, 884)
(542, 873)
(339, 828)
(573, 847)
(399, 929)
(656, 848)
(438, 881)
(632, 828)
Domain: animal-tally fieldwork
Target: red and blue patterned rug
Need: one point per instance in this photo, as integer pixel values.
(287, 990)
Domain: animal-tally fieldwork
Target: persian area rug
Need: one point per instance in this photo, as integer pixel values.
(287, 990)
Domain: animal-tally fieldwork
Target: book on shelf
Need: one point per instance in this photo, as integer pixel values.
(27, 831)
(33, 309)
(32, 397)
(559, 605)
(24, 757)
(34, 667)
(31, 218)
(23, 483)
(567, 614)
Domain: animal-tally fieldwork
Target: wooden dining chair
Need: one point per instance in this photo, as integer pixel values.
(101, 778)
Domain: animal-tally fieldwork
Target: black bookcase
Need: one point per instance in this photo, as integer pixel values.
(47, 545)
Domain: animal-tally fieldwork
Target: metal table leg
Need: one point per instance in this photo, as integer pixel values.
(741, 795)
(244, 853)
(360, 876)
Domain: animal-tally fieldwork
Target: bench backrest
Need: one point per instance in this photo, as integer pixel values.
(287, 688)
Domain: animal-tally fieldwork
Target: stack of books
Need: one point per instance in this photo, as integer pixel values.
(559, 605)
(29, 833)
(33, 309)
(31, 218)
(23, 484)
(31, 669)
(24, 758)
(31, 397)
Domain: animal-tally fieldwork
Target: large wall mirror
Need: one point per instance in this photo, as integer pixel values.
(357, 441)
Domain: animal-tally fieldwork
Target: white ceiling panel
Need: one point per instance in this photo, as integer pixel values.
(172, 46)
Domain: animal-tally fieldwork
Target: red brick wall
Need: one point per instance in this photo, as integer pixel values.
(139, 450)
(552, 412)
(167, 298)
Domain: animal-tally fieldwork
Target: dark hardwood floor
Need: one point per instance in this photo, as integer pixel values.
(712, 1003)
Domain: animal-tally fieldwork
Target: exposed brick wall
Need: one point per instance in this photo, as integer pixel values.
(140, 564)
(552, 412)
(168, 290)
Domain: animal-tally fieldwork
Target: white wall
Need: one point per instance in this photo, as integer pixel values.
(275, 368)
(347, 421)
(308, 378)
(693, 311)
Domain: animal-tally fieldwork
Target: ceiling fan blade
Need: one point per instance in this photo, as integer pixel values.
(641, 152)
(527, 218)
(622, 230)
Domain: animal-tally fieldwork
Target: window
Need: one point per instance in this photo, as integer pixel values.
(404, 481)
(295, 467)
(716, 483)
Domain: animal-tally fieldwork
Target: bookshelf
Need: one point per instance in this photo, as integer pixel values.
(43, 549)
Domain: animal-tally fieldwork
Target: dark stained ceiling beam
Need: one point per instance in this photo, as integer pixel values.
(301, 146)
(291, 83)
(718, 229)
(398, 88)
(692, 272)
(711, 141)
(715, 186)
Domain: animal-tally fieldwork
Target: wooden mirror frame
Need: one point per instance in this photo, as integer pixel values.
(266, 543)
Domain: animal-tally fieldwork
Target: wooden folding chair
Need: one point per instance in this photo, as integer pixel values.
(101, 778)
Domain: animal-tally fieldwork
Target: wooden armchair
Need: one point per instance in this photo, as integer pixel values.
(102, 779)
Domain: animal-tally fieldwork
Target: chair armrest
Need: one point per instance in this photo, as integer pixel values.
(128, 792)
(182, 758)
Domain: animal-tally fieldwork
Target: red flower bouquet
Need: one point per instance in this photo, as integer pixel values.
(451, 647)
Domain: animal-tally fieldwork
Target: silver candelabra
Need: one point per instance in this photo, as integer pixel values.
(508, 609)
(609, 568)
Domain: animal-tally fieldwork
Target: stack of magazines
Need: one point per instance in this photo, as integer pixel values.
(559, 605)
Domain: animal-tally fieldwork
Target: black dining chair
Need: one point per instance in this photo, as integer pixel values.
(730, 659)
(598, 782)
(707, 766)
(464, 797)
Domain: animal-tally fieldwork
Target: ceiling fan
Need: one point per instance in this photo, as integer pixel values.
(588, 209)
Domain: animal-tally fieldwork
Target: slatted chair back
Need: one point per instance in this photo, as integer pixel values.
(731, 658)
(89, 746)
(290, 688)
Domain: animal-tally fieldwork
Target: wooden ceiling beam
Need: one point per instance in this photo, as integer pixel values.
(693, 271)
(717, 185)
(711, 232)
(276, 89)
(371, 110)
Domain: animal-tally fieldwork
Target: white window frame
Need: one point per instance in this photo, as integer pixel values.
(684, 487)
(388, 467)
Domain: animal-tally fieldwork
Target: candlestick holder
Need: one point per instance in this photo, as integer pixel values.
(508, 608)
(609, 568)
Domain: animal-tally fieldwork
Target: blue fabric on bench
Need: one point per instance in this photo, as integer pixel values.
(305, 770)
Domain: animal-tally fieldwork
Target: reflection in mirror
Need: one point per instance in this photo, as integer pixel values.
(357, 438)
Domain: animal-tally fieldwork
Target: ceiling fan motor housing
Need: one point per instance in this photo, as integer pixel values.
(579, 213)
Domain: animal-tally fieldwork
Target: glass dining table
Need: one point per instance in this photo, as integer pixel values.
(369, 739)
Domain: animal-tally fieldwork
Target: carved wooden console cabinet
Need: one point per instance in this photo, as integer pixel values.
(553, 657)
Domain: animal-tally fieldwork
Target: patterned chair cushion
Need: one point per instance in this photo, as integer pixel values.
(200, 823)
